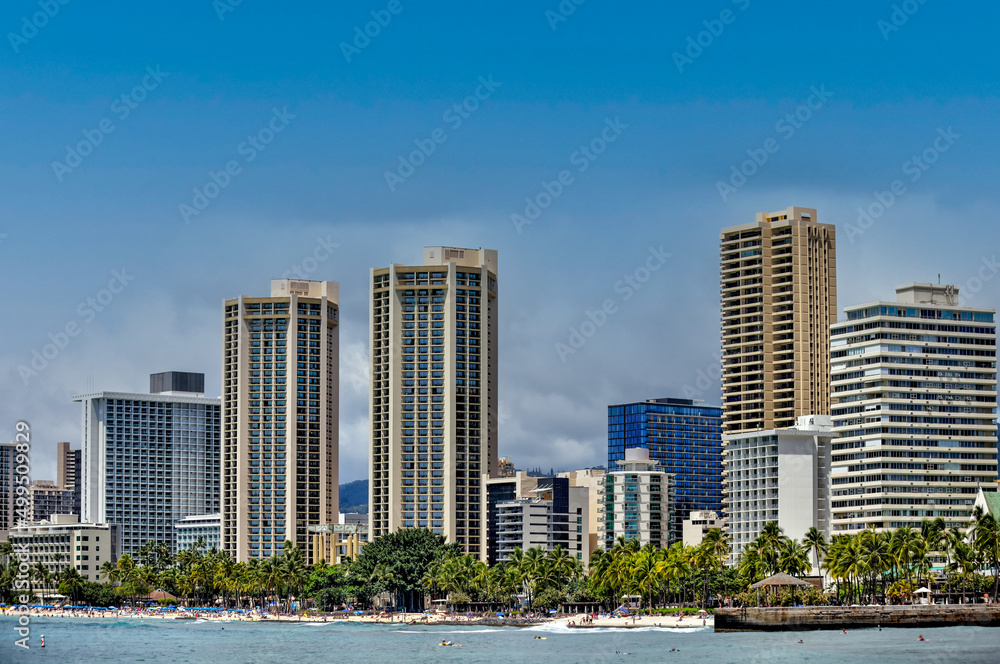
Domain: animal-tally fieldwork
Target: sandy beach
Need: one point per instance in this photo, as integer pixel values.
(581, 621)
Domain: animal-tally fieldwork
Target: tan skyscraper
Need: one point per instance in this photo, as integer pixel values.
(280, 408)
(779, 298)
(434, 393)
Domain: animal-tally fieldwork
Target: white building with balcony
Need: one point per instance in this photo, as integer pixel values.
(915, 406)
(778, 475)
(62, 542)
(636, 501)
(557, 515)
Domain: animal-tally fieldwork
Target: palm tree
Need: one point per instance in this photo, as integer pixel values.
(72, 583)
(902, 546)
(718, 543)
(986, 541)
(816, 542)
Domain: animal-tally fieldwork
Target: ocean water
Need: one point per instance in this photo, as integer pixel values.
(168, 641)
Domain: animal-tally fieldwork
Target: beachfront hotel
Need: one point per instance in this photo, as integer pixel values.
(280, 407)
(636, 501)
(433, 403)
(779, 475)
(552, 514)
(685, 438)
(149, 460)
(61, 541)
(779, 298)
(914, 404)
(199, 528)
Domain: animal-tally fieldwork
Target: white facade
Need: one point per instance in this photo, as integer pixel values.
(914, 403)
(636, 502)
(593, 480)
(64, 542)
(697, 525)
(148, 460)
(205, 526)
(778, 475)
(557, 515)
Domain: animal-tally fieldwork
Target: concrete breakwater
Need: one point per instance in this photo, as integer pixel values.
(778, 619)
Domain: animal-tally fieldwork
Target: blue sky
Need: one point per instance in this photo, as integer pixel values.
(914, 80)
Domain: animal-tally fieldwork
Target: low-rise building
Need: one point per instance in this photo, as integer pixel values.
(203, 527)
(636, 501)
(507, 485)
(779, 475)
(344, 540)
(697, 525)
(62, 541)
(556, 514)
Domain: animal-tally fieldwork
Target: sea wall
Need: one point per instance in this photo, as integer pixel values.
(777, 619)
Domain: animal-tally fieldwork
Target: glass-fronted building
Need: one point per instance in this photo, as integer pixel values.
(684, 438)
(148, 461)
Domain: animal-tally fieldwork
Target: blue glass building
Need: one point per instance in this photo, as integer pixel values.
(685, 438)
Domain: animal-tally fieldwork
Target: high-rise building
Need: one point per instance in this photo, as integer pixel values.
(147, 461)
(68, 466)
(280, 402)
(684, 438)
(779, 297)
(593, 480)
(48, 499)
(780, 475)
(915, 399)
(636, 501)
(434, 393)
(8, 518)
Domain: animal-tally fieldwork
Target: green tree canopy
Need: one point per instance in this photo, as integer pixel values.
(398, 562)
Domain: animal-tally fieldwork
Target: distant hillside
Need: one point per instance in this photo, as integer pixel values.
(354, 497)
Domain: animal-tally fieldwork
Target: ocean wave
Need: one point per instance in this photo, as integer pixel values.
(562, 628)
(445, 631)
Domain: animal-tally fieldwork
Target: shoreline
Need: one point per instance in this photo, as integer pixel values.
(413, 619)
